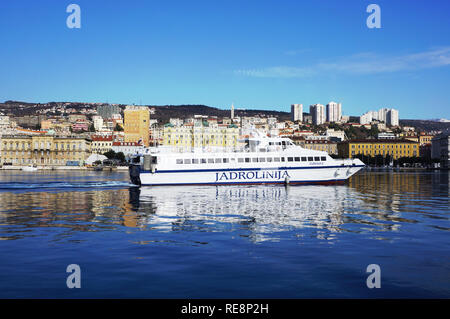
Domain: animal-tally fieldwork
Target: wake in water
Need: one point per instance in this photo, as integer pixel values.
(64, 185)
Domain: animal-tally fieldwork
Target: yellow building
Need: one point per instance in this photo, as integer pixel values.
(137, 124)
(189, 136)
(44, 150)
(394, 148)
(317, 145)
(425, 139)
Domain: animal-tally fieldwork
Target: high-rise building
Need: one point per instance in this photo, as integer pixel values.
(297, 112)
(106, 111)
(317, 112)
(232, 110)
(334, 112)
(366, 118)
(392, 117)
(137, 124)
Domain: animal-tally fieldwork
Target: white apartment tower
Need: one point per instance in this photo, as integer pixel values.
(334, 112)
(297, 112)
(392, 117)
(317, 112)
(232, 110)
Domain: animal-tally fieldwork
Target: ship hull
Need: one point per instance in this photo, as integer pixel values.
(280, 175)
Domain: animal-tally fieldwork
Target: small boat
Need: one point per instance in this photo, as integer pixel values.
(29, 168)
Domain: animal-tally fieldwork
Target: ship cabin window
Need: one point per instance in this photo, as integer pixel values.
(254, 160)
(218, 160)
(323, 158)
(262, 149)
(187, 161)
(304, 159)
(290, 159)
(247, 159)
(317, 158)
(310, 158)
(240, 160)
(226, 160)
(297, 159)
(211, 160)
(195, 161)
(276, 159)
(203, 160)
(179, 161)
(282, 159)
(269, 159)
(262, 159)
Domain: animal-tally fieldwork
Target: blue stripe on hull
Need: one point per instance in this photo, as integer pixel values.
(332, 181)
(246, 169)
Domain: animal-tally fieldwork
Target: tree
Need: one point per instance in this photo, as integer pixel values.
(110, 154)
(118, 128)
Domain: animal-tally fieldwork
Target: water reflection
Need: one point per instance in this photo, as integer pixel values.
(370, 203)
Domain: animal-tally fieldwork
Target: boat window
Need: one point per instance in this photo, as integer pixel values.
(211, 160)
(187, 161)
(303, 159)
(317, 158)
(195, 161)
(254, 160)
(282, 159)
(276, 159)
(240, 160)
(203, 160)
(297, 159)
(218, 160)
(323, 158)
(262, 159)
(179, 161)
(290, 159)
(247, 159)
(269, 159)
(262, 149)
(226, 160)
(310, 158)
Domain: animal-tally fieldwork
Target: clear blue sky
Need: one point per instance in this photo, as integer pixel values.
(255, 53)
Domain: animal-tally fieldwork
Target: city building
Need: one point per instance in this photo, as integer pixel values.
(137, 124)
(316, 144)
(334, 112)
(394, 148)
(392, 117)
(101, 144)
(297, 112)
(106, 111)
(128, 148)
(440, 149)
(44, 150)
(191, 136)
(317, 112)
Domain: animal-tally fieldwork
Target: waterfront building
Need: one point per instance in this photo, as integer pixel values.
(297, 112)
(320, 144)
(317, 112)
(44, 150)
(101, 144)
(425, 139)
(191, 136)
(334, 112)
(440, 149)
(395, 148)
(128, 148)
(137, 124)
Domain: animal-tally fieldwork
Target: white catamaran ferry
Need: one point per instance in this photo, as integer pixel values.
(263, 160)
